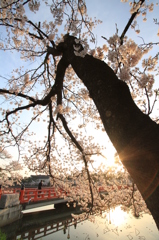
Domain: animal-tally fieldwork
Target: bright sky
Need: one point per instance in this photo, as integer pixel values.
(111, 12)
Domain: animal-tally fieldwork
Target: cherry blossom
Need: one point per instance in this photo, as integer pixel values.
(46, 113)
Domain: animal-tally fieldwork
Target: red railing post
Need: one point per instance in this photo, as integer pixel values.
(21, 197)
(36, 195)
(49, 194)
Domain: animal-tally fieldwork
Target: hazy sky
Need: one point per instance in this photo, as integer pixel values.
(111, 12)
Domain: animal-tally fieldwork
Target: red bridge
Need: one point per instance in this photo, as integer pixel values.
(33, 195)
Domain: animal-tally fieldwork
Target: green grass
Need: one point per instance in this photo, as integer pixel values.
(2, 236)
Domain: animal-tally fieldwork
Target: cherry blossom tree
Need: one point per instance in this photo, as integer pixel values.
(68, 85)
(9, 172)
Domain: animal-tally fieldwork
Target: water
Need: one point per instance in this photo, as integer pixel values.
(111, 226)
(101, 230)
(52, 224)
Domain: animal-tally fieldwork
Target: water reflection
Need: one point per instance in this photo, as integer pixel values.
(115, 216)
(49, 229)
(59, 224)
(36, 225)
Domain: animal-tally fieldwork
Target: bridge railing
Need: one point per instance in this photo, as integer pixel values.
(49, 228)
(35, 195)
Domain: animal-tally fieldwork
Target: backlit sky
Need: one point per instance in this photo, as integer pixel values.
(111, 12)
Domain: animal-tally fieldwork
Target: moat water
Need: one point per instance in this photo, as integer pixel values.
(51, 224)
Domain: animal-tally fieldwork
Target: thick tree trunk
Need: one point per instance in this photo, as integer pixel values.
(134, 135)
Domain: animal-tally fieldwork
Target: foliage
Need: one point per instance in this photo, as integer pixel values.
(9, 173)
(46, 119)
(2, 235)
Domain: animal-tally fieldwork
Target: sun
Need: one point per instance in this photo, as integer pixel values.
(112, 160)
(105, 161)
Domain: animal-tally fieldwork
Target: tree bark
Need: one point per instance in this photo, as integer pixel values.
(134, 135)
